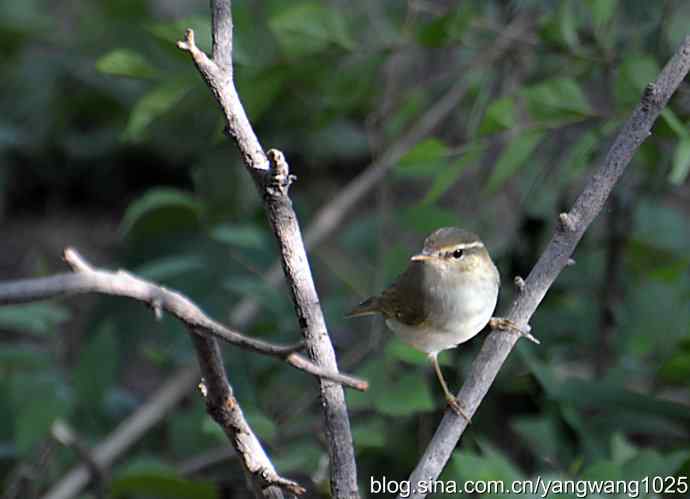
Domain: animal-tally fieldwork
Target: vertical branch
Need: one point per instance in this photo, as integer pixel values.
(312, 324)
(222, 33)
(273, 181)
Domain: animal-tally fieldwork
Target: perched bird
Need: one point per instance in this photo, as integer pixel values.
(445, 297)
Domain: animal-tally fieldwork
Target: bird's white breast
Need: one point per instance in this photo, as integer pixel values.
(457, 312)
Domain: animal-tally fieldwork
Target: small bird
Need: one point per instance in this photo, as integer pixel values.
(445, 297)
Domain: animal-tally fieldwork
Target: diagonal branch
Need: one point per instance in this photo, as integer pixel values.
(555, 257)
(127, 433)
(224, 409)
(87, 279)
(273, 180)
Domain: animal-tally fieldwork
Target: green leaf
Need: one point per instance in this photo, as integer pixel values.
(607, 394)
(407, 395)
(661, 226)
(603, 470)
(650, 261)
(164, 484)
(632, 76)
(174, 31)
(674, 123)
(243, 236)
(681, 162)
(542, 436)
(185, 431)
(559, 25)
(424, 159)
(161, 210)
(306, 28)
(444, 29)
(413, 104)
(36, 318)
(579, 156)
(37, 401)
(426, 218)
(621, 449)
(376, 372)
(152, 105)
(602, 11)
(22, 357)
(447, 175)
(162, 269)
(675, 24)
(123, 62)
(397, 350)
(567, 21)
(500, 115)
(260, 89)
(370, 434)
(676, 369)
(558, 99)
(95, 372)
(264, 427)
(491, 464)
(271, 297)
(303, 457)
(512, 158)
(650, 462)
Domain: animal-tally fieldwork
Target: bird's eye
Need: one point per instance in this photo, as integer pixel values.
(458, 253)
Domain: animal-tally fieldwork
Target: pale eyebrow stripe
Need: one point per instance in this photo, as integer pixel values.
(476, 244)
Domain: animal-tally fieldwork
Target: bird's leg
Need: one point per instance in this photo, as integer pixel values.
(453, 402)
(501, 324)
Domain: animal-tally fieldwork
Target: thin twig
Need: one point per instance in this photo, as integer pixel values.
(555, 257)
(64, 434)
(129, 431)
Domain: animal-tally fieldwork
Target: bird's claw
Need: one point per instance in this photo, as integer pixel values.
(501, 324)
(454, 404)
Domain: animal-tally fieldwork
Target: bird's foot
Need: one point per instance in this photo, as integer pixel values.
(454, 404)
(501, 324)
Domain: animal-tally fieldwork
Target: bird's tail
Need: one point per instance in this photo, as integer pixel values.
(367, 307)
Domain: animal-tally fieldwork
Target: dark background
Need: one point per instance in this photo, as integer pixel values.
(111, 142)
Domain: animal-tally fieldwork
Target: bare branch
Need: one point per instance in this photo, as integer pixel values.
(222, 33)
(219, 80)
(220, 401)
(224, 409)
(555, 257)
(88, 279)
(273, 183)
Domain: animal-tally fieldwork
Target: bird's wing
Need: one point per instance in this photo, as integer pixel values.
(403, 300)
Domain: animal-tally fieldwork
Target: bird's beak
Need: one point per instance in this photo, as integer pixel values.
(421, 257)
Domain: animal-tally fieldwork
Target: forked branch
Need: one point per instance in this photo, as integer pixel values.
(272, 179)
(87, 279)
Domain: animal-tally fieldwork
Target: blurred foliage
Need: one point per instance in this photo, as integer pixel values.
(105, 122)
